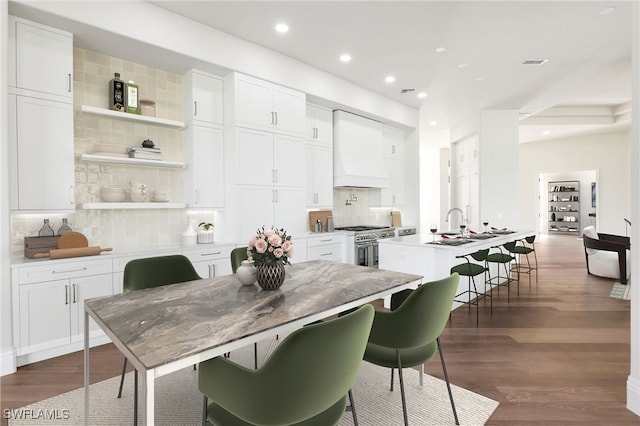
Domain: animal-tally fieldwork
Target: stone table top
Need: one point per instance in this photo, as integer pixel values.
(165, 324)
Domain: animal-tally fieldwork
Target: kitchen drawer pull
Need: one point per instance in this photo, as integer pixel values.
(276, 122)
(328, 239)
(195, 108)
(213, 271)
(66, 294)
(66, 271)
(210, 254)
(69, 82)
(73, 286)
(272, 118)
(327, 254)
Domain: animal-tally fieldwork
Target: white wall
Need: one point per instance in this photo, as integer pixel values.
(608, 153)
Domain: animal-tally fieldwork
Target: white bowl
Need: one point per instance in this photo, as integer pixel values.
(113, 195)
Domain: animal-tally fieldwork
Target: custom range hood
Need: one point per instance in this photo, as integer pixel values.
(358, 152)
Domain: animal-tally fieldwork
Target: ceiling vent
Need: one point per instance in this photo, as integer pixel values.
(407, 90)
(534, 61)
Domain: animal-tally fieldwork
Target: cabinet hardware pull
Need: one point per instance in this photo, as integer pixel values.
(210, 254)
(272, 118)
(276, 123)
(277, 175)
(393, 149)
(328, 239)
(69, 82)
(327, 254)
(71, 195)
(317, 133)
(213, 270)
(273, 176)
(65, 271)
(275, 195)
(66, 294)
(195, 108)
(196, 196)
(73, 286)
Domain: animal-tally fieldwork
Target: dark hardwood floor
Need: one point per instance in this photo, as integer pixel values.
(557, 354)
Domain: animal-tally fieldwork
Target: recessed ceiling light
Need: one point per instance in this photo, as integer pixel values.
(546, 132)
(440, 49)
(389, 79)
(607, 10)
(282, 28)
(422, 95)
(433, 123)
(463, 65)
(345, 57)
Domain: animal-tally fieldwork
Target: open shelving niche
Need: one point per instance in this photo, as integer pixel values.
(132, 161)
(564, 202)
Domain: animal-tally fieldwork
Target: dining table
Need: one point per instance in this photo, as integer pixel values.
(164, 329)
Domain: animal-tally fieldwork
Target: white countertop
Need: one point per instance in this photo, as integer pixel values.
(424, 241)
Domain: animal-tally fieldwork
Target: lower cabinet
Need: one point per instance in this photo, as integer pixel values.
(212, 261)
(49, 310)
(326, 247)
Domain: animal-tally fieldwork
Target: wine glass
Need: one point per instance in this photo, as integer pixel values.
(463, 226)
(433, 228)
(485, 223)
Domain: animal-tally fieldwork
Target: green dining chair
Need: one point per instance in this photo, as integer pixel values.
(153, 272)
(304, 382)
(408, 336)
(471, 270)
(239, 254)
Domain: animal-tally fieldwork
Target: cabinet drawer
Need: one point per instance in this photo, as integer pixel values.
(324, 240)
(58, 271)
(326, 252)
(209, 253)
(120, 262)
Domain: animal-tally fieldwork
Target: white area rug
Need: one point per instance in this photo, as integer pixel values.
(178, 401)
(621, 291)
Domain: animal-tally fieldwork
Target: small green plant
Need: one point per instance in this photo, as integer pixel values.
(206, 225)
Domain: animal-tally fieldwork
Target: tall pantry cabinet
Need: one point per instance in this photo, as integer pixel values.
(40, 77)
(265, 125)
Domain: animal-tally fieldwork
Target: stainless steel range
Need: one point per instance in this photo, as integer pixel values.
(366, 242)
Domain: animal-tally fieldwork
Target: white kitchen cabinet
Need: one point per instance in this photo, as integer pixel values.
(204, 174)
(265, 158)
(49, 296)
(211, 261)
(392, 143)
(465, 157)
(203, 98)
(319, 176)
(282, 207)
(326, 247)
(257, 104)
(394, 194)
(40, 58)
(41, 154)
(319, 124)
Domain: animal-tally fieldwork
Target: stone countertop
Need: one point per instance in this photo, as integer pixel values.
(425, 241)
(168, 323)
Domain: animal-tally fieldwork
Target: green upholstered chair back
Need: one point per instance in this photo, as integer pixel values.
(480, 255)
(419, 319)
(309, 372)
(157, 271)
(237, 256)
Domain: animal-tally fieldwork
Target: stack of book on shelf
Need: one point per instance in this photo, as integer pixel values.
(145, 153)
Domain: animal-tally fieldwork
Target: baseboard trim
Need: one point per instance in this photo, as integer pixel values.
(633, 394)
(8, 362)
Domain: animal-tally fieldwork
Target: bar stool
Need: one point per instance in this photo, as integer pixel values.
(527, 247)
(518, 251)
(504, 259)
(470, 270)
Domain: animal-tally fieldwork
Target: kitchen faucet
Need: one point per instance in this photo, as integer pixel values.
(455, 209)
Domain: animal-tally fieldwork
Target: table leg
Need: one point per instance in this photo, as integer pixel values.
(86, 368)
(148, 389)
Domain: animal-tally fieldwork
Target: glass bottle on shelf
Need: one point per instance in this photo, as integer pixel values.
(46, 230)
(64, 228)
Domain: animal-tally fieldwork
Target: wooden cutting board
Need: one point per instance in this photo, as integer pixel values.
(72, 240)
(319, 214)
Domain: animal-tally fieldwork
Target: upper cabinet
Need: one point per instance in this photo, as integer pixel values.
(203, 98)
(319, 124)
(41, 58)
(393, 152)
(257, 104)
(392, 143)
(40, 120)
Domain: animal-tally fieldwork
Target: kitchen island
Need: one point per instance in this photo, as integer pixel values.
(417, 254)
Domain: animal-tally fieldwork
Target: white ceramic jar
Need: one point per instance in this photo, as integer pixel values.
(246, 272)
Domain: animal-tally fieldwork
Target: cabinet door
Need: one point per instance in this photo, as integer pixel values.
(253, 105)
(324, 125)
(80, 290)
(204, 175)
(393, 143)
(44, 149)
(290, 210)
(255, 209)
(44, 59)
(289, 107)
(394, 195)
(221, 267)
(319, 176)
(44, 315)
(203, 268)
(289, 160)
(203, 98)
(254, 157)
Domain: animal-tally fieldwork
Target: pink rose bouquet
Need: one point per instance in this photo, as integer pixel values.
(270, 246)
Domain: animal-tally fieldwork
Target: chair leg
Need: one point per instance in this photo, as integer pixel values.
(255, 355)
(352, 407)
(204, 411)
(421, 372)
(391, 386)
(404, 401)
(135, 398)
(446, 378)
(124, 370)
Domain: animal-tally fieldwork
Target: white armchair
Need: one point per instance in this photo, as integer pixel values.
(607, 255)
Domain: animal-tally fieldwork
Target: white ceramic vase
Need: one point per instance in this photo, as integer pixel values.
(246, 272)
